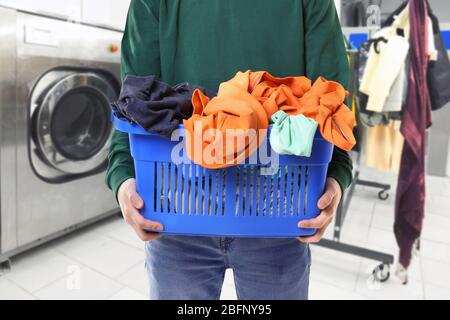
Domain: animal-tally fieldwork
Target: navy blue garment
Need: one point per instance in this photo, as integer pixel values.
(155, 105)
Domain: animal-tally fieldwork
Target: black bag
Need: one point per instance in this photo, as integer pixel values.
(438, 71)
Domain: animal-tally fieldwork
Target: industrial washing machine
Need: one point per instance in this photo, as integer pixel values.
(57, 79)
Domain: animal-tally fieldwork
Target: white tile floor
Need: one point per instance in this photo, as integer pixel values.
(105, 261)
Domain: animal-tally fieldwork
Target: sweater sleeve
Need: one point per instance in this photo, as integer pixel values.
(140, 56)
(326, 56)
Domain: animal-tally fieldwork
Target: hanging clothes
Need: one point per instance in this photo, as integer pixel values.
(367, 118)
(292, 135)
(154, 105)
(385, 64)
(416, 118)
(397, 96)
(383, 147)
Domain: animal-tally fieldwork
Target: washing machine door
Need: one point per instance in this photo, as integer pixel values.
(72, 123)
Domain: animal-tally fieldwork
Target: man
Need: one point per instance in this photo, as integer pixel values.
(205, 43)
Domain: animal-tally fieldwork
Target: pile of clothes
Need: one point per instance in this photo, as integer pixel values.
(246, 105)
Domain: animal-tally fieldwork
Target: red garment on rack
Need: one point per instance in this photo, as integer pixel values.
(416, 118)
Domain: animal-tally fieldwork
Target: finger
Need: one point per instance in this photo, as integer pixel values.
(136, 200)
(146, 236)
(318, 222)
(145, 224)
(326, 199)
(143, 235)
(315, 238)
(127, 212)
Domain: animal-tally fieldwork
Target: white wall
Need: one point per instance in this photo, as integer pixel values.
(66, 8)
(104, 12)
(441, 8)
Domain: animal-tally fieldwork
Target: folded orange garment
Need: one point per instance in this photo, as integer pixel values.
(245, 105)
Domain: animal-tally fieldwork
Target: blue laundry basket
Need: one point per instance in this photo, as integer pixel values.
(240, 201)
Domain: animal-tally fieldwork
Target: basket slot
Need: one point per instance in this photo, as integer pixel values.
(206, 195)
(275, 193)
(192, 190)
(158, 187)
(239, 191)
(267, 190)
(247, 199)
(303, 190)
(155, 193)
(289, 195)
(305, 193)
(165, 194)
(172, 187)
(200, 191)
(254, 202)
(261, 207)
(296, 197)
(213, 193)
(221, 193)
(179, 198)
(185, 189)
(282, 208)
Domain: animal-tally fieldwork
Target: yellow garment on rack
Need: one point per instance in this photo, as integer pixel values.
(383, 67)
(384, 145)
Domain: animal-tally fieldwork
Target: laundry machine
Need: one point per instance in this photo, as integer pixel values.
(57, 79)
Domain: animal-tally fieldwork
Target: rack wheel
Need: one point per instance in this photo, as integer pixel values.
(383, 195)
(381, 273)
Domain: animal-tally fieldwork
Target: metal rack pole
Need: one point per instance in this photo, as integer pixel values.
(381, 272)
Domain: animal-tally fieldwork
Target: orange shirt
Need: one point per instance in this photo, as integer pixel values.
(325, 104)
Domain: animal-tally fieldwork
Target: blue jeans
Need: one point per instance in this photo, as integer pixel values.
(193, 268)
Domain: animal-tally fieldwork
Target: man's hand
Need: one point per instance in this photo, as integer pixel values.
(328, 204)
(130, 202)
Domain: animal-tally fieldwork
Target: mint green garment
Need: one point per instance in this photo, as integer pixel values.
(292, 135)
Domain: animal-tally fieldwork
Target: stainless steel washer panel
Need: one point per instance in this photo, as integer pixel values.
(8, 159)
(32, 210)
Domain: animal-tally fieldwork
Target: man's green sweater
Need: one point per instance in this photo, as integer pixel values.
(205, 42)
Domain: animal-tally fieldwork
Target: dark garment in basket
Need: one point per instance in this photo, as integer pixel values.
(154, 105)
(416, 118)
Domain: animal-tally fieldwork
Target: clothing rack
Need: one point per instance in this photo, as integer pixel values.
(380, 273)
